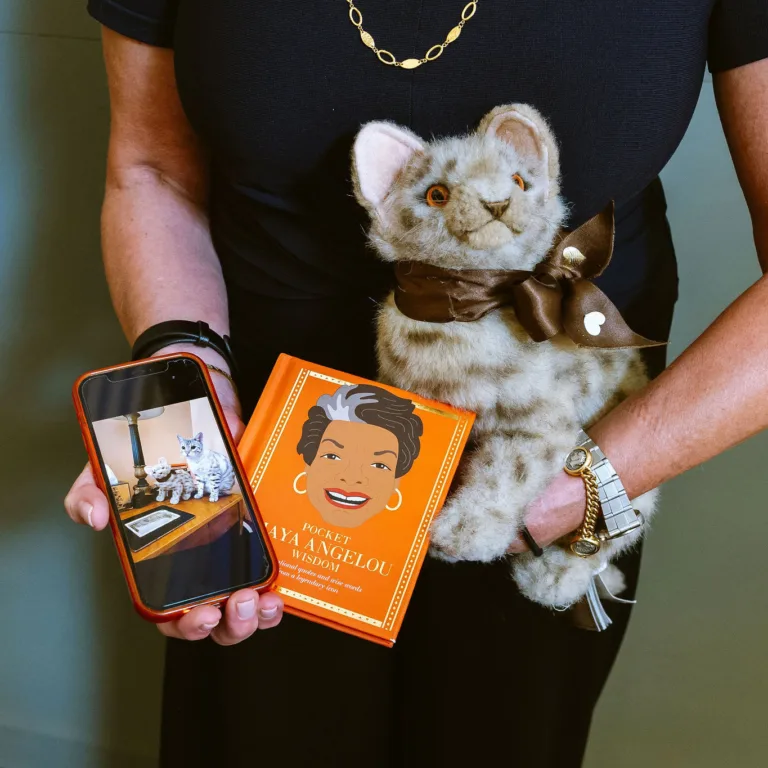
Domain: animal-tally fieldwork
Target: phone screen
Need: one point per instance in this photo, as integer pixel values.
(188, 528)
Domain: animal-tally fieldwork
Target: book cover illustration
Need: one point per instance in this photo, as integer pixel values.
(348, 475)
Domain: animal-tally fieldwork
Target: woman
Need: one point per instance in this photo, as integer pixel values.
(228, 183)
(369, 440)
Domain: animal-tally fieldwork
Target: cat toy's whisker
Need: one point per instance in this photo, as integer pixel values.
(552, 222)
(538, 215)
(411, 231)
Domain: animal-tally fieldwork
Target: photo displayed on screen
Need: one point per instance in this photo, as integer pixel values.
(187, 527)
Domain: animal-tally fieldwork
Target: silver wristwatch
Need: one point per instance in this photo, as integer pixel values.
(619, 516)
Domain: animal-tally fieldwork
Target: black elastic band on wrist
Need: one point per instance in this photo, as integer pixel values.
(182, 332)
(531, 542)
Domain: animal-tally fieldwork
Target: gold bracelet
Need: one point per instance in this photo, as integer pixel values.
(579, 464)
(227, 376)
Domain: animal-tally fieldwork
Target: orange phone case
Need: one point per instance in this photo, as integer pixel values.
(145, 611)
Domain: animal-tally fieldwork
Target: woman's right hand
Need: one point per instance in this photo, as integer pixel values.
(246, 610)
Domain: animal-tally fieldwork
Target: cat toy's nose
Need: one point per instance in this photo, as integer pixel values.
(497, 209)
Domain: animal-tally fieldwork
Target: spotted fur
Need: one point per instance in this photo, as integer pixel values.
(175, 483)
(213, 471)
(530, 398)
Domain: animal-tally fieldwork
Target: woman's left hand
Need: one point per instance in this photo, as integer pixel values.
(556, 513)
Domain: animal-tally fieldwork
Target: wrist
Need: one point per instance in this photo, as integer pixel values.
(561, 507)
(631, 443)
(610, 512)
(175, 333)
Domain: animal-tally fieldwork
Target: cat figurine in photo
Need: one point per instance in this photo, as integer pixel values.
(491, 200)
(175, 483)
(212, 471)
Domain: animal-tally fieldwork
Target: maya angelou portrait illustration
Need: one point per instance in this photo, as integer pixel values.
(357, 443)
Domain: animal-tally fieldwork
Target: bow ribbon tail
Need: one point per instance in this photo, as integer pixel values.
(538, 307)
(601, 619)
(590, 319)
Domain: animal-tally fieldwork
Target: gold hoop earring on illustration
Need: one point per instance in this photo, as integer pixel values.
(399, 501)
(296, 483)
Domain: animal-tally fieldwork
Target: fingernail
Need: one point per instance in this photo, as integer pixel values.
(85, 510)
(246, 609)
(209, 627)
(268, 613)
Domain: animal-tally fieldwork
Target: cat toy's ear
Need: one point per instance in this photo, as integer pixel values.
(199, 437)
(180, 439)
(162, 460)
(380, 152)
(528, 132)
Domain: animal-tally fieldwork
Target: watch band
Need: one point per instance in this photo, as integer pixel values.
(182, 332)
(578, 463)
(618, 514)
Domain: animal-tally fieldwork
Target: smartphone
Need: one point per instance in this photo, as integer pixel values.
(183, 515)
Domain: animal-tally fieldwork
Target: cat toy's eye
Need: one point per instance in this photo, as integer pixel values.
(518, 179)
(437, 196)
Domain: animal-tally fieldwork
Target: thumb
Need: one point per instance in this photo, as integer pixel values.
(86, 503)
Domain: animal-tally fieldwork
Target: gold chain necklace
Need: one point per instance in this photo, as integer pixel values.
(385, 57)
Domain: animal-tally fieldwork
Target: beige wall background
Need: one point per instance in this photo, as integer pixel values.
(203, 421)
(688, 690)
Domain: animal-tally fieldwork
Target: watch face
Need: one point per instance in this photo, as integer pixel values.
(585, 547)
(576, 460)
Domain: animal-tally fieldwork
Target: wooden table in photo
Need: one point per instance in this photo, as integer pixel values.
(198, 531)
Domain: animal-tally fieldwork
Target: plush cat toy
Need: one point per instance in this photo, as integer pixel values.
(213, 471)
(490, 201)
(175, 483)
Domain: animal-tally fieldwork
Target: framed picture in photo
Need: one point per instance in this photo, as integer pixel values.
(122, 494)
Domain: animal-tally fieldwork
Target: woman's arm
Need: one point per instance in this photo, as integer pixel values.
(158, 255)
(742, 99)
(161, 265)
(715, 394)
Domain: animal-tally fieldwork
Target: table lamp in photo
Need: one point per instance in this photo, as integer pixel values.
(143, 493)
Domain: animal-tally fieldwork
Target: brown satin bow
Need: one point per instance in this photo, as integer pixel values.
(556, 297)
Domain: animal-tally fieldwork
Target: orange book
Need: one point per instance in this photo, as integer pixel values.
(348, 475)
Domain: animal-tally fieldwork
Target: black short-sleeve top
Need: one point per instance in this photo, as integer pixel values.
(277, 91)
